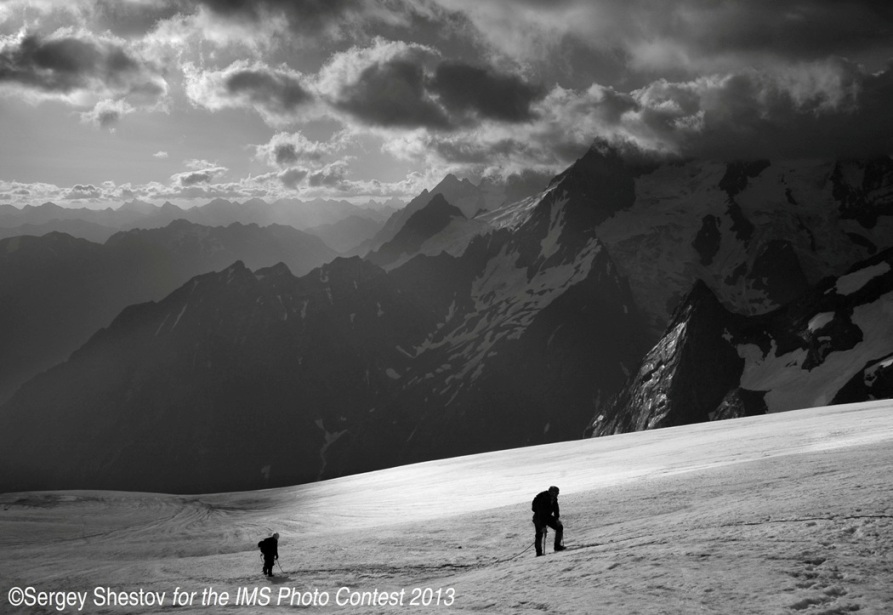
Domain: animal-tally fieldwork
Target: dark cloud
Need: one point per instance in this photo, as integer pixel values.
(285, 149)
(285, 154)
(292, 177)
(62, 65)
(278, 92)
(759, 115)
(196, 177)
(464, 88)
(402, 86)
(807, 29)
(472, 151)
(201, 175)
(107, 117)
(392, 94)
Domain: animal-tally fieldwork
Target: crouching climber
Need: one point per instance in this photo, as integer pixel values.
(546, 514)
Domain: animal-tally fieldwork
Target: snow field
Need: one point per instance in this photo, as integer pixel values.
(787, 513)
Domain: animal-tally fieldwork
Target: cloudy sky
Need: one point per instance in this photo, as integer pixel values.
(107, 100)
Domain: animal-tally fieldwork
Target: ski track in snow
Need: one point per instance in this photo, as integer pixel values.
(786, 513)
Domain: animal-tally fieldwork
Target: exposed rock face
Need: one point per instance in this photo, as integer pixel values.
(740, 403)
(685, 377)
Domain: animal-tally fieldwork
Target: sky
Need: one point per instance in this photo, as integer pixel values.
(104, 101)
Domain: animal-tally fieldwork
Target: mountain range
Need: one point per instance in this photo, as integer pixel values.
(57, 290)
(624, 296)
(99, 225)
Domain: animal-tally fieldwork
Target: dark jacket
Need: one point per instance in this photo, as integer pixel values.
(544, 507)
(269, 547)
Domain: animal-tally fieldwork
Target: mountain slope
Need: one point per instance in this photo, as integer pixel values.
(435, 228)
(462, 194)
(228, 363)
(344, 370)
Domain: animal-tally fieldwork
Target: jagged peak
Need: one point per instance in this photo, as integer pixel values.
(237, 267)
(451, 183)
(699, 298)
(600, 158)
(449, 179)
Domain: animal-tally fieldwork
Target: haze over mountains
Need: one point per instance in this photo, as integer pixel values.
(99, 225)
(626, 295)
(57, 290)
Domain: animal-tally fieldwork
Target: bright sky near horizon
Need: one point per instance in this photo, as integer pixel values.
(103, 101)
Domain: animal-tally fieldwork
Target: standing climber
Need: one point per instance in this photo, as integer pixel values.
(545, 513)
(269, 548)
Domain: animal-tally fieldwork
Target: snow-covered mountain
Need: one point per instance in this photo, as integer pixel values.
(758, 234)
(833, 344)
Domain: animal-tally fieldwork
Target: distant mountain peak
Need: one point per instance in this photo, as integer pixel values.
(137, 206)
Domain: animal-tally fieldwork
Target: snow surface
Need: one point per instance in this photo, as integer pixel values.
(784, 513)
(852, 282)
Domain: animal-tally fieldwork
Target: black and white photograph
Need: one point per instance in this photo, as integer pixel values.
(446, 306)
